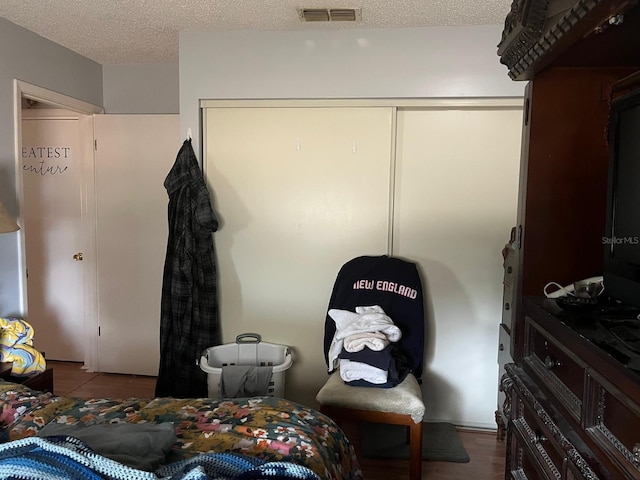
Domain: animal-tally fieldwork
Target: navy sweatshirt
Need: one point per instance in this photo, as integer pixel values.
(393, 284)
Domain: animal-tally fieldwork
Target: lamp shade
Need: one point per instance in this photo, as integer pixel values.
(7, 223)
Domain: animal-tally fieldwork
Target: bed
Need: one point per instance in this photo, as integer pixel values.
(258, 430)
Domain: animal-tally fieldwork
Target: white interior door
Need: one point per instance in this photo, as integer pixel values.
(455, 204)
(51, 161)
(299, 191)
(134, 155)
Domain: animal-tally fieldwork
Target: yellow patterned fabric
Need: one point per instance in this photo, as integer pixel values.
(16, 345)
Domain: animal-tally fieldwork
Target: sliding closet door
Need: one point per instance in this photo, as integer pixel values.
(299, 191)
(455, 204)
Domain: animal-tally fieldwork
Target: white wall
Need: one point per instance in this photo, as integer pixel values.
(385, 63)
(36, 60)
(379, 63)
(144, 88)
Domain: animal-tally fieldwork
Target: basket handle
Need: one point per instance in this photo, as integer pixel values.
(257, 338)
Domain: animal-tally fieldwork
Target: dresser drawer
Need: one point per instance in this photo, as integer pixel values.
(534, 438)
(612, 420)
(558, 370)
(537, 445)
(527, 465)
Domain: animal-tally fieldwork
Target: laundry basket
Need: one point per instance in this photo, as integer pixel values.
(250, 350)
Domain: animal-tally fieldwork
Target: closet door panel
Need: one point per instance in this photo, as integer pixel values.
(455, 204)
(299, 191)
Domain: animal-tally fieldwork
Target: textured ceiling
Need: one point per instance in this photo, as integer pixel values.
(146, 31)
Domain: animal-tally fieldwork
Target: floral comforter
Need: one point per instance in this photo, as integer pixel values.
(272, 429)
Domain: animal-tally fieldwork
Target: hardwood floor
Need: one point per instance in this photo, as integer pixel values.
(70, 379)
(487, 454)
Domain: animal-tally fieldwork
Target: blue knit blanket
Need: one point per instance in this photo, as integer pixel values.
(67, 458)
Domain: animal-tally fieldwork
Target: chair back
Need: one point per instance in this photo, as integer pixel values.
(394, 285)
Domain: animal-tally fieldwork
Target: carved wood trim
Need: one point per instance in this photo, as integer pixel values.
(581, 465)
(505, 385)
(528, 45)
(522, 28)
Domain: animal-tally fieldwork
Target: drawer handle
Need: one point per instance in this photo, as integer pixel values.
(636, 455)
(539, 438)
(550, 363)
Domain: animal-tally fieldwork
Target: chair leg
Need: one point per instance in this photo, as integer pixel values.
(415, 451)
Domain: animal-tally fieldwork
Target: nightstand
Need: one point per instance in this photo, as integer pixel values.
(42, 381)
(5, 369)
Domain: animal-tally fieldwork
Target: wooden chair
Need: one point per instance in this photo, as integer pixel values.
(394, 285)
(400, 405)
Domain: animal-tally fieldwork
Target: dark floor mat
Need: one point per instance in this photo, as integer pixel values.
(440, 442)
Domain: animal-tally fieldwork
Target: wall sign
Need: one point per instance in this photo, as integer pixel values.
(46, 160)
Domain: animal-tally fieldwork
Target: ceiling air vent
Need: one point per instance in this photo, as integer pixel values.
(330, 14)
(343, 15)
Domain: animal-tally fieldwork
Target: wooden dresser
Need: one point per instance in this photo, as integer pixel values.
(571, 400)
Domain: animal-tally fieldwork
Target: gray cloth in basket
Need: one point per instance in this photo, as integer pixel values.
(245, 381)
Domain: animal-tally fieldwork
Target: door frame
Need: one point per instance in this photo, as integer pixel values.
(29, 91)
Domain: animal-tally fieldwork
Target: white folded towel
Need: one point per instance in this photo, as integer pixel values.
(370, 309)
(350, 370)
(364, 320)
(376, 341)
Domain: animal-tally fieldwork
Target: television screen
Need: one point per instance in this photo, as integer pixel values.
(622, 240)
(626, 219)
